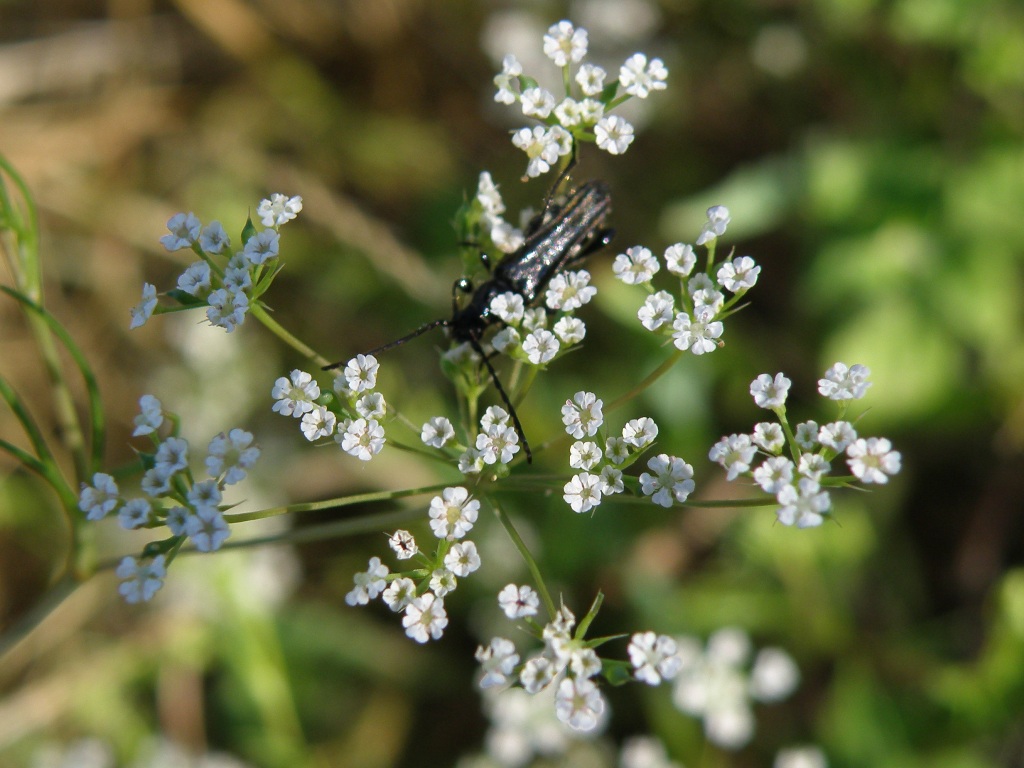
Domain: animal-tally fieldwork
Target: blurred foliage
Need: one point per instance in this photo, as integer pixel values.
(872, 156)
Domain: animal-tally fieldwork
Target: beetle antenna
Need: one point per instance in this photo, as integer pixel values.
(396, 343)
(504, 397)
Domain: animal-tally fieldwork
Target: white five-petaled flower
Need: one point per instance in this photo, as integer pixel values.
(399, 593)
(437, 431)
(296, 396)
(497, 444)
(570, 330)
(583, 414)
(680, 259)
(637, 265)
(774, 474)
(590, 78)
(498, 661)
(318, 422)
(639, 433)
(140, 579)
(425, 618)
(362, 438)
(150, 417)
(579, 704)
(508, 307)
(184, 231)
(584, 454)
(768, 392)
(638, 77)
(207, 529)
(278, 209)
(569, 291)
(671, 481)
(614, 134)
(462, 559)
(537, 102)
(232, 455)
(135, 514)
(371, 406)
(195, 280)
(769, 436)
(171, 456)
(368, 583)
(564, 43)
(540, 346)
(543, 146)
(262, 247)
(718, 220)
(99, 499)
(658, 310)
(403, 544)
(697, 333)
(738, 275)
(838, 435)
(227, 308)
(511, 69)
(583, 492)
(142, 311)
(845, 383)
(803, 505)
(453, 513)
(653, 657)
(734, 453)
(873, 460)
(518, 602)
(214, 239)
(361, 373)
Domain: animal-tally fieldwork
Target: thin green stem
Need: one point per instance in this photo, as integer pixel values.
(261, 314)
(524, 551)
(337, 503)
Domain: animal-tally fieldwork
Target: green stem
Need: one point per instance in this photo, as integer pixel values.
(261, 314)
(344, 501)
(524, 551)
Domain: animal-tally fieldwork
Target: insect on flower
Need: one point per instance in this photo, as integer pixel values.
(557, 240)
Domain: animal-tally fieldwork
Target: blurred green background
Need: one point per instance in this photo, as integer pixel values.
(871, 155)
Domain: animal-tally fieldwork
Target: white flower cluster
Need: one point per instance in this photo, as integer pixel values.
(719, 683)
(191, 510)
(226, 288)
(583, 112)
(602, 459)
(692, 313)
(797, 481)
(361, 411)
(497, 442)
(419, 593)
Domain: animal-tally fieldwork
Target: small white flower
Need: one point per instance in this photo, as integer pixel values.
(150, 417)
(214, 239)
(425, 618)
(371, 406)
(640, 433)
(568, 112)
(542, 147)
(579, 704)
(172, 456)
(498, 661)
(806, 435)
(518, 602)
(803, 505)
(842, 383)
(195, 280)
(400, 593)
(511, 69)
(535, 319)
(734, 453)
(177, 519)
(443, 581)
(583, 414)
(768, 392)
(590, 78)
(262, 247)
(718, 220)
(361, 373)
(488, 195)
(99, 499)
(155, 482)
(140, 579)
(537, 102)
(583, 492)
(616, 450)
(498, 444)
(774, 675)
(570, 330)
(362, 438)
(671, 482)
(471, 462)
(227, 308)
(837, 435)
(508, 307)
(403, 544)
(774, 474)
(278, 209)
(204, 495)
(368, 583)
(568, 291)
(658, 310)
(873, 460)
(537, 673)
(813, 465)
(142, 311)
(136, 513)
(505, 237)
(638, 78)
(318, 422)
(564, 44)
(680, 259)
(769, 436)
(232, 455)
(611, 480)
(697, 333)
(237, 279)
(184, 229)
(295, 397)
(584, 455)
(437, 431)
(207, 529)
(462, 559)
(453, 513)
(541, 346)
(614, 134)
(506, 341)
(653, 657)
(738, 275)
